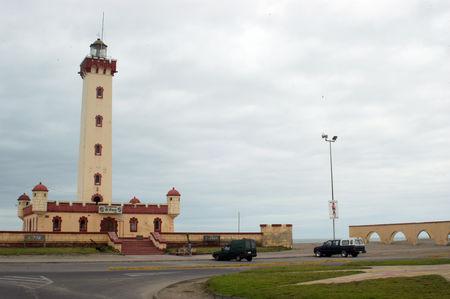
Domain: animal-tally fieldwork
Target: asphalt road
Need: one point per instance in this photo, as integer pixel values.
(93, 280)
(45, 278)
(103, 280)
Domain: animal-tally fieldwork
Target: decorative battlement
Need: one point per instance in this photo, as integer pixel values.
(80, 207)
(145, 209)
(277, 234)
(97, 63)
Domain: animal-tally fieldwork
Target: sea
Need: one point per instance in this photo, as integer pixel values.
(312, 240)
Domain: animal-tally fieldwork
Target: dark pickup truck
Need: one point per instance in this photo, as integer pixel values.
(344, 247)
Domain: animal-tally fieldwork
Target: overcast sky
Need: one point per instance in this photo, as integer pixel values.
(226, 101)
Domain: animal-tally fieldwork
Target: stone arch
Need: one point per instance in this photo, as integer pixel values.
(420, 237)
(394, 234)
(370, 235)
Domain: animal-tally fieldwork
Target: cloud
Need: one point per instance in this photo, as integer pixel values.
(227, 102)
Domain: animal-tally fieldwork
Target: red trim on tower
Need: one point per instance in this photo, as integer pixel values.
(40, 187)
(88, 63)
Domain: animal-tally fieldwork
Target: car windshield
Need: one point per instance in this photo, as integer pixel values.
(226, 248)
(359, 242)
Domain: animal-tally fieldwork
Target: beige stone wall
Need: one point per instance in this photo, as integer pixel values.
(90, 134)
(20, 206)
(438, 231)
(39, 201)
(70, 222)
(173, 203)
(277, 235)
(198, 237)
(18, 237)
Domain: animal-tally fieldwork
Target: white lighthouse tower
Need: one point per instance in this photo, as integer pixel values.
(95, 155)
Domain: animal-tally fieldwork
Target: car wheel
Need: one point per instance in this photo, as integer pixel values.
(354, 254)
(238, 258)
(249, 258)
(317, 254)
(216, 258)
(344, 253)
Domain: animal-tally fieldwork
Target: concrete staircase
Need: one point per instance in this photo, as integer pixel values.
(138, 247)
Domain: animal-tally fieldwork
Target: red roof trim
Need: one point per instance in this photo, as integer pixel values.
(40, 187)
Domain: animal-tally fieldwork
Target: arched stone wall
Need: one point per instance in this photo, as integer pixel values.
(437, 230)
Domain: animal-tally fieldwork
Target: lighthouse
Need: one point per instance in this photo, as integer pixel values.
(95, 153)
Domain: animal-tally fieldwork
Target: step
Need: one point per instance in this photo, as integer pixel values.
(139, 247)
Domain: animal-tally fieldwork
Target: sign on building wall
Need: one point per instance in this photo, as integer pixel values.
(109, 210)
(333, 209)
(34, 238)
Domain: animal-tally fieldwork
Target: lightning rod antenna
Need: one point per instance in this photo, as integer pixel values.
(103, 24)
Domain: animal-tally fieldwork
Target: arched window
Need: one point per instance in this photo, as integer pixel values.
(97, 198)
(99, 121)
(98, 149)
(57, 224)
(83, 224)
(99, 92)
(97, 179)
(133, 224)
(157, 223)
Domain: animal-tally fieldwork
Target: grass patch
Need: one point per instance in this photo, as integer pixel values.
(429, 286)
(280, 282)
(210, 250)
(266, 284)
(411, 262)
(49, 251)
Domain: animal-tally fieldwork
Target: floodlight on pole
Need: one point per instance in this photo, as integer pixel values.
(333, 203)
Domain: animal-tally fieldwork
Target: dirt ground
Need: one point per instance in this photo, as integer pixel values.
(399, 249)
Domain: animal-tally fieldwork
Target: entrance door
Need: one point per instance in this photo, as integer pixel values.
(108, 224)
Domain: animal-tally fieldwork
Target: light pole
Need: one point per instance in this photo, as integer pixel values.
(333, 207)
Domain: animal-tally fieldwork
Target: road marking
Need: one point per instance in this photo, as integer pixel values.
(225, 266)
(138, 274)
(29, 282)
(439, 255)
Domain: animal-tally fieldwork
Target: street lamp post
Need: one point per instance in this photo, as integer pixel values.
(325, 136)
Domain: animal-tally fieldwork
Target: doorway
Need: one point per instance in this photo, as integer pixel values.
(108, 224)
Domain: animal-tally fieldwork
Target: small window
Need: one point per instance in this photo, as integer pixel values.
(57, 224)
(83, 224)
(99, 92)
(157, 225)
(344, 242)
(97, 198)
(99, 121)
(97, 179)
(98, 149)
(133, 224)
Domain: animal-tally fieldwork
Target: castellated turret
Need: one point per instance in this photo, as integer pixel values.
(24, 201)
(173, 202)
(39, 202)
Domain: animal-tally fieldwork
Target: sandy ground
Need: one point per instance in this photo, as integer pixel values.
(400, 249)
